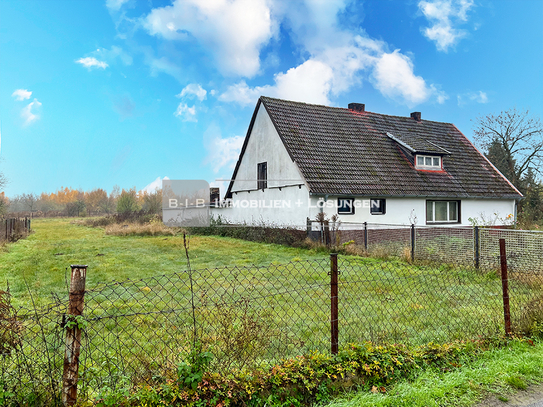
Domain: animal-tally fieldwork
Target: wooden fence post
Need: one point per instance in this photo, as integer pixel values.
(70, 375)
(334, 339)
(505, 288)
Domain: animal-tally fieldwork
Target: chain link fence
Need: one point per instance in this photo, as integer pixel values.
(32, 353)
(475, 246)
(138, 331)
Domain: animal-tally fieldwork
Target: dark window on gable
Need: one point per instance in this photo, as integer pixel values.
(345, 206)
(378, 206)
(262, 175)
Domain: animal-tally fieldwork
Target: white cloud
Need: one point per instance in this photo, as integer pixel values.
(477, 97)
(338, 60)
(21, 94)
(309, 82)
(233, 31)
(186, 113)
(444, 15)
(112, 54)
(221, 152)
(193, 89)
(115, 5)
(163, 64)
(314, 81)
(91, 62)
(441, 96)
(28, 113)
(393, 76)
(242, 94)
(334, 59)
(155, 185)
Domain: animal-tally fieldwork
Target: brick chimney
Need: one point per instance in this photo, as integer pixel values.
(416, 116)
(357, 107)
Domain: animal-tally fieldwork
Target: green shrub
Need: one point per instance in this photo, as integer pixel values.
(302, 380)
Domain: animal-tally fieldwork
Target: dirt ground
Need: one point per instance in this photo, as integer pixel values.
(531, 397)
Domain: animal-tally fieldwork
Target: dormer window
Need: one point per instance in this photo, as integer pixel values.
(428, 162)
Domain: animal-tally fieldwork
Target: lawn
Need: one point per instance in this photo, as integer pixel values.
(254, 303)
(40, 261)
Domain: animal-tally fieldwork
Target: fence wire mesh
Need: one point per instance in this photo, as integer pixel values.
(139, 330)
(244, 315)
(32, 352)
(524, 248)
(466, 245)
(254, 316)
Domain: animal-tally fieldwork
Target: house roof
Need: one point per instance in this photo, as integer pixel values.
(345, 152)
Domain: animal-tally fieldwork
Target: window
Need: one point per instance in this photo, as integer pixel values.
(442, 211)
(377, 206)
(345, 206)
(262, 176)
(428, 162)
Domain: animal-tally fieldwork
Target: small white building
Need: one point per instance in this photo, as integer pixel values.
(300, 159)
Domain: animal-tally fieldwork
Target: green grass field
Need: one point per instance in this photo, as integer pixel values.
(255, 303)
(498, 372)
(43, 257)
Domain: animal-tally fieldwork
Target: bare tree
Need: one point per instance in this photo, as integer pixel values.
(30, 202)
(515, 138)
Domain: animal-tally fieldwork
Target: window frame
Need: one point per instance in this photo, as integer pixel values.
(262, 175)
(443, 222)
(383, 207)
(350, 208)
(428, 167)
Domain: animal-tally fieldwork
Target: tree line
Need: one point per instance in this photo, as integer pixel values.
(74, 202)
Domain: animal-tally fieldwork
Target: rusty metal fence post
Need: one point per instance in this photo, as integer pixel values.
(366, 236)
(505, 288)
(334, 329)
(73, 326)
(476, 253)
(412, 242)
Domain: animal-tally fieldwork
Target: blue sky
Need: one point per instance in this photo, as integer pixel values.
(121, 92)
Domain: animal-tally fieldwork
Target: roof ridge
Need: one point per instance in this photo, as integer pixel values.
(265, 98)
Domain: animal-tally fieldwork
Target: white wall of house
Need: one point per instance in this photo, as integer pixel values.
(292, 206)
(288, 206)
(404, 211)
(265, 145)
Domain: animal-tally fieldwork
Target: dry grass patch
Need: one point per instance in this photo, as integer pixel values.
(137, 229)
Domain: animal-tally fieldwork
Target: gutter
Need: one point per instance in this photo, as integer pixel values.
(410, 196)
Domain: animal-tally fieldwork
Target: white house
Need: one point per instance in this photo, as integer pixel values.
(300, 159)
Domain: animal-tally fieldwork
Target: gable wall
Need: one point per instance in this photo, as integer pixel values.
(264, 145)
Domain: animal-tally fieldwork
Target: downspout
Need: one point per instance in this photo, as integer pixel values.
(515, 214)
